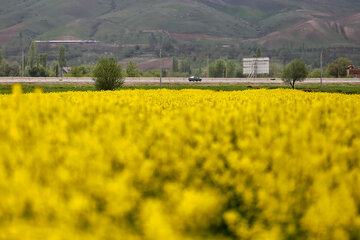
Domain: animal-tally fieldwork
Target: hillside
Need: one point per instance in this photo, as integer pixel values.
(271, 23)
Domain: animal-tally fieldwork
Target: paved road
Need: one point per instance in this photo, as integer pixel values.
(153, 81)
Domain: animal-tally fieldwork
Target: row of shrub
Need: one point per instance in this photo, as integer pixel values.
(37, 66)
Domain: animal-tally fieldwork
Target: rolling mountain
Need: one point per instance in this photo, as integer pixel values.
(271, 23)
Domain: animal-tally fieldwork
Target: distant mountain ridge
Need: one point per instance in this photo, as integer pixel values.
(271, 23)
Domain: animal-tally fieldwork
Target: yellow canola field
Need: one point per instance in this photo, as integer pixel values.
(173, 165)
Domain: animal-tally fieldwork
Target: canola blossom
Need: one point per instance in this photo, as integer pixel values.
(189, 164)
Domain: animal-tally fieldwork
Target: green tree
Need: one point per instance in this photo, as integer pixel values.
(108, 74)
(285, 55)
(258, 53)
(2, 72)
(23, 63)
(338, 67)
(152, 73)
(220, 69)
(38, 61)
(212, 70)
(1, 57)
(32, 55)
(75, 72)
(43, 60)
(316, 73)
(296, 71)
(32, 71)
(85, 70)
(7, 69)
(276, 69)
(239, 71)
(175, 65)
(185, 66)
(37, 71)
(62, 57)
(131, 70)
(54, 69)
(230, 69)
(217, 69)
(42, 72)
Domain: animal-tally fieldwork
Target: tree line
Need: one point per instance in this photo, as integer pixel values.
(230, 69)
(108, 73)
(36, 65)
(297, 71)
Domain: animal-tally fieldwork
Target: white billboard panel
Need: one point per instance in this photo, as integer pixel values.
(253, 66)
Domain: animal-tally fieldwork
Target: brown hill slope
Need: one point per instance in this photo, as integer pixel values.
(271, 23)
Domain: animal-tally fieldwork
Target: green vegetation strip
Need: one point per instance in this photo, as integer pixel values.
(331, 88)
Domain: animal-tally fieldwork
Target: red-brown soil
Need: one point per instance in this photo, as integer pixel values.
(188, 36)
(7, 34)
(155, 64)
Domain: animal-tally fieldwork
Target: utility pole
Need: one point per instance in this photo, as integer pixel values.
(22, 55)
(200, 70)
(207, 66)
(321, 67)
(161, 44)
(160, 67)
(22, 63)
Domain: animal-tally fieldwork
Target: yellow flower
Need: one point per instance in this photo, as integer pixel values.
(189, 164)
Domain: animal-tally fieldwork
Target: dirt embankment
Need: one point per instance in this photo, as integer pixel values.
(188, 36)
(155, 64)
(7, 34)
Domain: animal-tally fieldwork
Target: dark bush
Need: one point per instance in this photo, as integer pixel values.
(108, 74)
